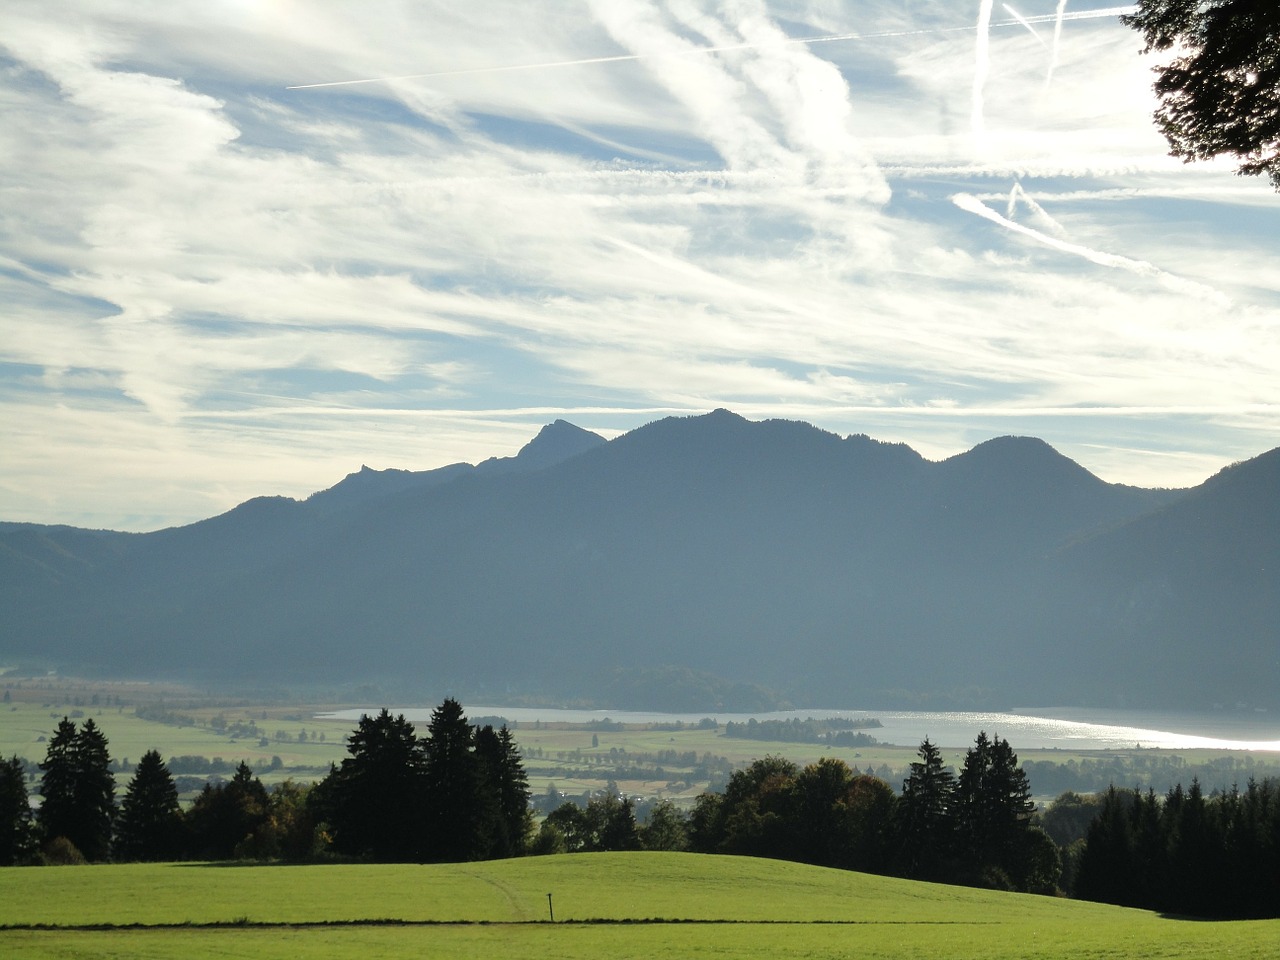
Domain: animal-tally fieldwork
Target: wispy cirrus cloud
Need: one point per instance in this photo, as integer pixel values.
(218, 287)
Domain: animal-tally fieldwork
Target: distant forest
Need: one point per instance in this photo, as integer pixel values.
(460, 793)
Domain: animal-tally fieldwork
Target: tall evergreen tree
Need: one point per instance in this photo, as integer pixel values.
(17, 840)
(454, 806)
(95, 792)
(78, 789)
(373, 803)
(504, 796)
(926, 816)
(993, 810)
(1106, 871)
(58, 812)
(150, 821)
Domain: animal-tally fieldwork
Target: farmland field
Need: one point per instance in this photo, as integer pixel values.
(291, 739)
(618, 905)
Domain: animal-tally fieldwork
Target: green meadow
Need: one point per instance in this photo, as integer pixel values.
(651, 905)
(560, 754)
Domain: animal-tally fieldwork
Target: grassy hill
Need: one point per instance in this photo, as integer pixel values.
(647, 905)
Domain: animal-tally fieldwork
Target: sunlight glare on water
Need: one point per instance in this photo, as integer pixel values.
(1062, 728)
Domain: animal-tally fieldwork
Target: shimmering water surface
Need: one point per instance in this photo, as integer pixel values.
(1067, 728)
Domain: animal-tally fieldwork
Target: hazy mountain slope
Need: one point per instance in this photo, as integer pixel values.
(772, 553)
(1188, 591)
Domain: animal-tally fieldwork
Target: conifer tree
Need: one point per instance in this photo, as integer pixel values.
(150, 818)
(374, 802)
(454, 807)
(17, 841)
(57, 814)
(926, 816)
(78, 789)
(95, 792)
(504, 794)
(993, 809)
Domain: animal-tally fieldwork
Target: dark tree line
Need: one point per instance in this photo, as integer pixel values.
(974, 829)
(458, 794)
(1186, 853)
(836, 731)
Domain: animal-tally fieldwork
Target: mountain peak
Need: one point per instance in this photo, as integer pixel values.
(556, 442)
(1026, 458)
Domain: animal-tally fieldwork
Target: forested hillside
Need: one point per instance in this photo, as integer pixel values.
(829, 570)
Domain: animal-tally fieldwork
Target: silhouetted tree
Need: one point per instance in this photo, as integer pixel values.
(455, 807)
(504, 794)
(150, 822)
(925, 825)
(17, 838)
(290, 830)
(1221, 93)
(78, 789)
(822, 827)
(993, 811)
(870, 811)
(374, 803)
(225, 818)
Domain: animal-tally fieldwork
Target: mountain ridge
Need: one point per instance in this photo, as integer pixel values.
(770, 553)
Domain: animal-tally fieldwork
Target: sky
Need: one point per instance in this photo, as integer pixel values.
(248, 247)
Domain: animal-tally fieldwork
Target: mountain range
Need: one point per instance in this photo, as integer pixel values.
(695, 563)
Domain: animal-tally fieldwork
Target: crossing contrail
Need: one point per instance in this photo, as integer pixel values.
(1102, 13)
(1026, 23)
(972, 204)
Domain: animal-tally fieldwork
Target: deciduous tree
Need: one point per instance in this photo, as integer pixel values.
(1220, 93)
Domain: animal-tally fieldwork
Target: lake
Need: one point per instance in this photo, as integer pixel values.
(1066, 728)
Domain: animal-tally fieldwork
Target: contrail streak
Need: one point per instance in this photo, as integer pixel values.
(1142, 268)
(1057, 39)
(1018, 195)
(1023, 20)
(1104, 13)
(981, 66)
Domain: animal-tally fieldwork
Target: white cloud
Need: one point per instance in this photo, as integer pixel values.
(235, 288)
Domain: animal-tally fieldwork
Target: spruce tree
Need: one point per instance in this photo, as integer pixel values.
(78, 789)
(58, 812)
(993, 811)
(926, 816)
(504, 792)
(95, 792)
(454, 806)
(150, 818)
(373, 803)
(17, 841)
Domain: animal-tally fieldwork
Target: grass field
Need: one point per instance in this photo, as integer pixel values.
(648, 905)
(556, 754)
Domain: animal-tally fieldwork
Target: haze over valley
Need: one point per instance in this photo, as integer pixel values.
(695, 563)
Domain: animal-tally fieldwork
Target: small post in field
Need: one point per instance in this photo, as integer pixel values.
(551, 909)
